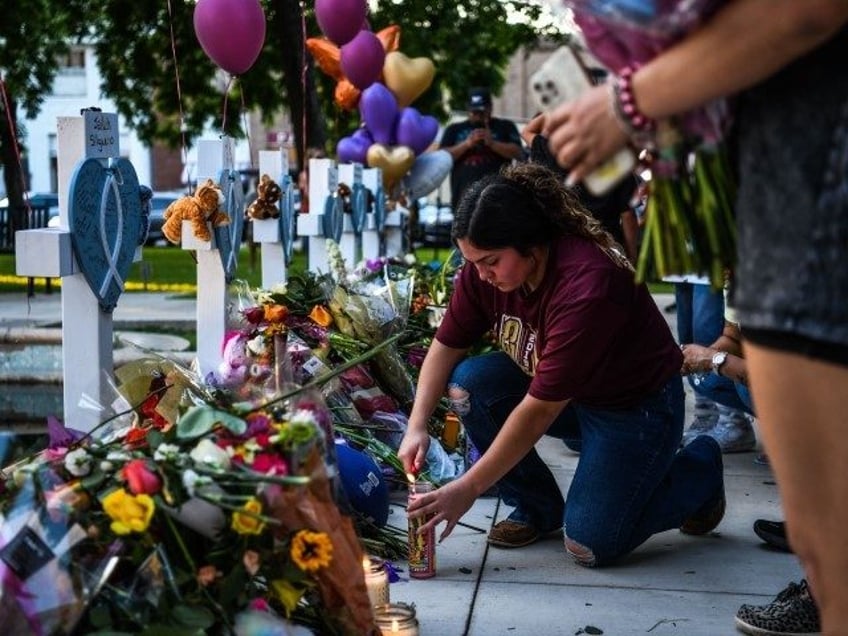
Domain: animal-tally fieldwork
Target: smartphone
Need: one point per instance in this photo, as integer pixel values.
(562, 78)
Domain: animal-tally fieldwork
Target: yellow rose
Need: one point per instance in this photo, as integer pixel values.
(248, 522)
(129, 513)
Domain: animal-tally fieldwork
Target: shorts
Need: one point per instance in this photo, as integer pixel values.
(791, 140)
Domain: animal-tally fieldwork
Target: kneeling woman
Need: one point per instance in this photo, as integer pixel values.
(585, 356)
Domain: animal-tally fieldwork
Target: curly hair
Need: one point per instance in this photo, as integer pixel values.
(523, 206)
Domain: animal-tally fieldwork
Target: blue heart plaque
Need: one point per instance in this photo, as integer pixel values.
(104, 212)
(228, 237)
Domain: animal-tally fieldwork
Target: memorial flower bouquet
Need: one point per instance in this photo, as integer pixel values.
(690, 220)
(221, 521)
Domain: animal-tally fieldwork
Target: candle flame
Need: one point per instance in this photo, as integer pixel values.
(366, 563)
(395, 627)
(410, 477)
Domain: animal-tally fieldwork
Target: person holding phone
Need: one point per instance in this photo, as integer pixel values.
(480, 144)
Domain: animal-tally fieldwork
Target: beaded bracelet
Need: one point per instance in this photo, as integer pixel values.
(634, 121)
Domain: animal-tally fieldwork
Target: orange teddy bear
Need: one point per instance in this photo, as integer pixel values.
(201, 208)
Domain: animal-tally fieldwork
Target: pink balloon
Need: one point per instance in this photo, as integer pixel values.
(379, 110)
(231, 32)
(362, 59)
(340, 20)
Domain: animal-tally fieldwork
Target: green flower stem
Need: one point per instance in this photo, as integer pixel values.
(180, 543)
(251, 477)
(216, 500)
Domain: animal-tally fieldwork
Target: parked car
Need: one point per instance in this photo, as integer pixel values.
(158, 204)
(434, 224)
(42, 206)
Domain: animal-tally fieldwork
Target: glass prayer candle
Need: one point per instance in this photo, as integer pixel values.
(396, 619)
(376, 580)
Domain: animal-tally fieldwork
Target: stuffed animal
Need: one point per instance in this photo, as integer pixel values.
(201, 208)
(267, 195)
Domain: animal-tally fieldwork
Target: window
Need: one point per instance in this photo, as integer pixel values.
(72, 62)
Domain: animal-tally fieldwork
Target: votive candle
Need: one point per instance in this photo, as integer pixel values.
(376, 580)
(396, 619)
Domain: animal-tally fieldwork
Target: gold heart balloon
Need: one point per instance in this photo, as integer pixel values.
(395, 162)
(407, 77)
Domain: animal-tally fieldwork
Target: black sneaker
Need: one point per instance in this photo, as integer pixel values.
(792, 613)
(773, 533)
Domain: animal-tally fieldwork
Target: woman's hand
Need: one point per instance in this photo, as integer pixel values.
(447, 503)
(584, 133)
(413, 448)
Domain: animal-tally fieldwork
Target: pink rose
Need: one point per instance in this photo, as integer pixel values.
(140, 479)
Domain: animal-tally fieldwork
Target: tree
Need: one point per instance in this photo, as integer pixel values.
(469, 41)
(32, 41)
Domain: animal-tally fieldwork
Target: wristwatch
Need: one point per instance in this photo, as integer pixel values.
(719, 358)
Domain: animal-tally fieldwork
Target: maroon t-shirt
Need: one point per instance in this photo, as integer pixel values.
(588, 333)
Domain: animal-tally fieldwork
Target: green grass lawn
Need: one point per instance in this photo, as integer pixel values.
(174, 269)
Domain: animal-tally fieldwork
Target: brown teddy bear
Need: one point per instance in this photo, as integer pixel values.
(267, 195)
(201, 208)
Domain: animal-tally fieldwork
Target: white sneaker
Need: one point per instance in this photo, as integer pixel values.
(734, 435)
(701, 425)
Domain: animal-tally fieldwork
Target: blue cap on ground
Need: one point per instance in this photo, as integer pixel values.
(363, 483)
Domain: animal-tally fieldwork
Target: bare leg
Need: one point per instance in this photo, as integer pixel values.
(802, 407)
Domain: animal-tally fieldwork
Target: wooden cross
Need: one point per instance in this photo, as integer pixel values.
(91, 250)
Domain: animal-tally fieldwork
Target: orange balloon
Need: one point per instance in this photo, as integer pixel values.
(347, 95)
(327, 57)
(390, 38)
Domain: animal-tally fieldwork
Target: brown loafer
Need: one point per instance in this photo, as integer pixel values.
(706, 519)
(513, 534)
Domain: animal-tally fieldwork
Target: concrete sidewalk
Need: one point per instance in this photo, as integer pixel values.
(133, 310)
(673, 584)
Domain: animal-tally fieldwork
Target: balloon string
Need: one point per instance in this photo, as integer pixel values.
(226, 99)
(13, 136)
(246, 123)
(184, 145)
(303, 76)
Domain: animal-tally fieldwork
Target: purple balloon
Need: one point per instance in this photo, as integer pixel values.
(363, 134)
(416, 130)
(340, 20)
(354, 149)
(362, 59)
(231, 32)
(378, 107)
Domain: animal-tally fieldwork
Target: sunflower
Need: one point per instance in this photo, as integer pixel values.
(311, 551)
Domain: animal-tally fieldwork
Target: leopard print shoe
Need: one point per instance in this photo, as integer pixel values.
(792, 613)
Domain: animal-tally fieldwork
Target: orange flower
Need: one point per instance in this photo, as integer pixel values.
(276, 313)
(320, 316)
(207, 574)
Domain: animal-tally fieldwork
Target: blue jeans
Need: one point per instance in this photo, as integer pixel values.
(700, 320)
(631, 480)
(723, 391)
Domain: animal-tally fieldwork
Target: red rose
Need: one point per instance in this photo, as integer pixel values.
(254, 315)
(140, 479)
